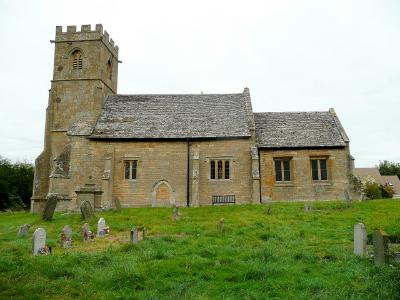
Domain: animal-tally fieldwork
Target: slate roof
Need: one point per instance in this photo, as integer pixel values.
(299, 130)
(175, 116)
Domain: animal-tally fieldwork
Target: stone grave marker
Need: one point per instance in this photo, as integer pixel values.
(175, 213)
(381, 247)
(360, 239)
(134, 235)
(117, 204)
(101, 227)
(87, 210)
(50, 207)
(144, 233)
(269, 208)
(307, 207)
(66, 237)
(39, 242)
(348, 198)
(87, 234)
(23, 230)
(221, 225)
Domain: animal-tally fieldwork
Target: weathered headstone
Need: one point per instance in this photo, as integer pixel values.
(23, 230)
(50, 207)
(221, 225)
(381, 247)
(175, 213)
(144, 233)
(117, 204)
(101, 226)
(360, 239)
(134, 235)
(39, 242)
(86, 233)
(307, 207)
(348, 198)
(87, 210)
(66, 237)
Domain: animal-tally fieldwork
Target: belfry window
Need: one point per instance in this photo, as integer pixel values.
(109, 69)
(77, 61)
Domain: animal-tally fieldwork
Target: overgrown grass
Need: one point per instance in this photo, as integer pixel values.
(289, 254)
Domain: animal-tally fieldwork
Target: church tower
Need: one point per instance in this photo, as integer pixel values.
(85, 73)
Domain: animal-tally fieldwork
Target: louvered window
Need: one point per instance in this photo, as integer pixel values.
(77, 61)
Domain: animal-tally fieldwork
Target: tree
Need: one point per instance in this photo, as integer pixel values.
(16, 182)
(389, 168)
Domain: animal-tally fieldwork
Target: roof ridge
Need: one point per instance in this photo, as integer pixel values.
(214, 94)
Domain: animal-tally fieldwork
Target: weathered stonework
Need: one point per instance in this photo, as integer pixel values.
(91, 132)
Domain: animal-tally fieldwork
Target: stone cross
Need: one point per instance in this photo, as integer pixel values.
(381, 247)
(221, 224)
(66, 237)
(23, 230)
(39, 241)
(134, 235)
(87, 210)
(101, 226)
(360, 239)
(50, 207)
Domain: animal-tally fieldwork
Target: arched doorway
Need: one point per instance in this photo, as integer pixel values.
(163, 194)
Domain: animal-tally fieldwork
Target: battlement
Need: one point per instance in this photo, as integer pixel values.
(86, 33)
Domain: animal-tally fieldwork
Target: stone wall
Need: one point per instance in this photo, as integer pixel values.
(301, 186)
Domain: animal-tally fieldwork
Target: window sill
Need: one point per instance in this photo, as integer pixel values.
(321, 182)
(130, 180)
(220, 180)
(283, 183)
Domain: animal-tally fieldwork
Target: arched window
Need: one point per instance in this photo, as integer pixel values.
(77, 61)
(109, 69)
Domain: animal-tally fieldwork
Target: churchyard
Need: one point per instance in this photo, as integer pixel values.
(274, 251)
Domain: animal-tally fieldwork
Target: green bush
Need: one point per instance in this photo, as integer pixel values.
(372, 190)
(387, 191)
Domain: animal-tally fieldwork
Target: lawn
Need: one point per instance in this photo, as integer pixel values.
(288, 254)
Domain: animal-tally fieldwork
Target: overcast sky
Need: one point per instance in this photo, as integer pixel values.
(293, 55)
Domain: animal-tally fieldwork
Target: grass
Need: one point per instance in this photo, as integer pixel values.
(289, 254)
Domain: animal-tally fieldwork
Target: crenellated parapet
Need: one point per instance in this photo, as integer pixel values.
(86, 34)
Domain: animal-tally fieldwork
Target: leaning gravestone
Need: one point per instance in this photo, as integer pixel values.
(381, 247)
(23, 230)
(39, 241)
(50, 207)
(101, 227)
(348, 198)
(87, 210)
(360, 239)
(66, 237)
(134, 235)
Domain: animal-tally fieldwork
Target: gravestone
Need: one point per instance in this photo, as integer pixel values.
(87, 210)
(360, 239)
(176, 214)
(221, 225)
(307, 207)
(87, 234)
(39, 242)
(101, 227)
(23, 230)
(269, 208)
(66, 237)
(144, 233)
(348, 198)
(134, 235)
(381, 247)
(50, 207)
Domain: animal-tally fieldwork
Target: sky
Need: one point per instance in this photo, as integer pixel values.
(294, 55)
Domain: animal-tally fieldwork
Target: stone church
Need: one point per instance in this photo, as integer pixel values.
(163, 150)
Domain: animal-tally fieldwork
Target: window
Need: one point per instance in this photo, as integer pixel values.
(282, 169)
(319, 169)
(77, 61)
(130, 169)
(219, 169)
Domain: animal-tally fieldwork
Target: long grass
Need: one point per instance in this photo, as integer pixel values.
(288, 254)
